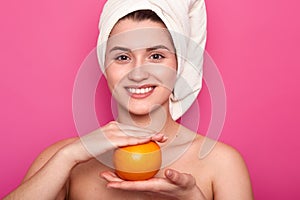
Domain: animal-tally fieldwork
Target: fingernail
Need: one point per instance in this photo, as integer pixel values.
(169, 173)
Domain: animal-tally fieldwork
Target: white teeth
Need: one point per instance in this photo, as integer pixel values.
(139, 91)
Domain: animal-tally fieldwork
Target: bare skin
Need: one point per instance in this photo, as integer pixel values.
(67, 170)
(220, 175)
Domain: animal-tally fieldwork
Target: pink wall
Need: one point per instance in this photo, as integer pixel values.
(254, 43)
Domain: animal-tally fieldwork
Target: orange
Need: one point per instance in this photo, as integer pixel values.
(137, 162)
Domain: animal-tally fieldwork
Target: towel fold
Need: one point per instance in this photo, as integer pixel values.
(186, 22)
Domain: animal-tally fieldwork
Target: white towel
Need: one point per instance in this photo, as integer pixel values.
(186, 21)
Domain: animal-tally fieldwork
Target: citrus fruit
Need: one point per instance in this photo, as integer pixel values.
(137, 162)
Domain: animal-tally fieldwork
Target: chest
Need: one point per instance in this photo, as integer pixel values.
(86, 183)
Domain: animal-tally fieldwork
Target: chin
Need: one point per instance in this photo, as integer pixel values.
(137, 111)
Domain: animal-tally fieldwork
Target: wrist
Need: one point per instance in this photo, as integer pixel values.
(72, 154)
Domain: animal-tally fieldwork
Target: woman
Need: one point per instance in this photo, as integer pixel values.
(142, 62)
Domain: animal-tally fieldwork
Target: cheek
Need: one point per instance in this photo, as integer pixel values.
(169, 80)
(168, 74)
(166, 78)
(171, 62)
(114, 76)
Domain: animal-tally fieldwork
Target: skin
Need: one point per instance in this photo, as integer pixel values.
(68, 166)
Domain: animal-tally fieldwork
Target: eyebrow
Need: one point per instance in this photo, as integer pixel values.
(157, 47)
(119, 48)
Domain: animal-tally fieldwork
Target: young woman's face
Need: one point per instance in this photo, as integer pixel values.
(140, 65)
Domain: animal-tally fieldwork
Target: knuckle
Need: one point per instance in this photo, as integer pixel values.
(176, 177)
(112, 124)
(190, 180)
(130, 140)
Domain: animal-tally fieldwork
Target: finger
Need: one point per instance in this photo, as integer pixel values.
(110, 176)
(151, 185)
(180, 179)
(119, 139)
(133, 141)
(126, 141)
(159, 137)
(135, 131)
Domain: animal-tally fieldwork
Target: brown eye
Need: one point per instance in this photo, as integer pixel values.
(157, 56)
(122, 58)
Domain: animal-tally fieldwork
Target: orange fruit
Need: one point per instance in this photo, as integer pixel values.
(137, 162)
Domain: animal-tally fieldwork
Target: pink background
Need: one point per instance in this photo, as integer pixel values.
(254, 43)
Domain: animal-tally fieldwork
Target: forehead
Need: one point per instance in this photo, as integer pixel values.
(136, 35)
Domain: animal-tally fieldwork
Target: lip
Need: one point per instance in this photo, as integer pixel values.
(140, 92)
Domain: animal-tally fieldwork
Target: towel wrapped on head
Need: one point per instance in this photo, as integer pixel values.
(186, 22)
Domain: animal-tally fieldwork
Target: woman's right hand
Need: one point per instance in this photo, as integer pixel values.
(109, 137)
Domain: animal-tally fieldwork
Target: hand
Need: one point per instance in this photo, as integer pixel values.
(109, 137)
(175, 184)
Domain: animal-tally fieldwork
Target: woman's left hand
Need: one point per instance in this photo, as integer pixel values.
(175, 184)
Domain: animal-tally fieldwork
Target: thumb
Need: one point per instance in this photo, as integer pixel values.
(181, 179)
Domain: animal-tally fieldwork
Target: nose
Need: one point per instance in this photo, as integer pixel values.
(138, 74)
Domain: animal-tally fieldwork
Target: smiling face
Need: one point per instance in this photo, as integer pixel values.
(140, 65)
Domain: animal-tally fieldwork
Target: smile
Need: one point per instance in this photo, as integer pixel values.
(140, 92)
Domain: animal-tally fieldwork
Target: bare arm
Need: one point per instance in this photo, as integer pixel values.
(47, 176)
(50, 171)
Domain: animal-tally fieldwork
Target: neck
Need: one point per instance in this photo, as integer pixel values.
(158, 120)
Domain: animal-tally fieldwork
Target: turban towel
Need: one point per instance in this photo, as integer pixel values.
(186, 22)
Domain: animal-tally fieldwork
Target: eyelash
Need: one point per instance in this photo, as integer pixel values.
(157, 54)
(125, 58)
(121, 58)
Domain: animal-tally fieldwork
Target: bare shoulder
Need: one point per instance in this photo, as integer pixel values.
(222, 155)
(45, 155)
(217, 153)
(230, 175)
